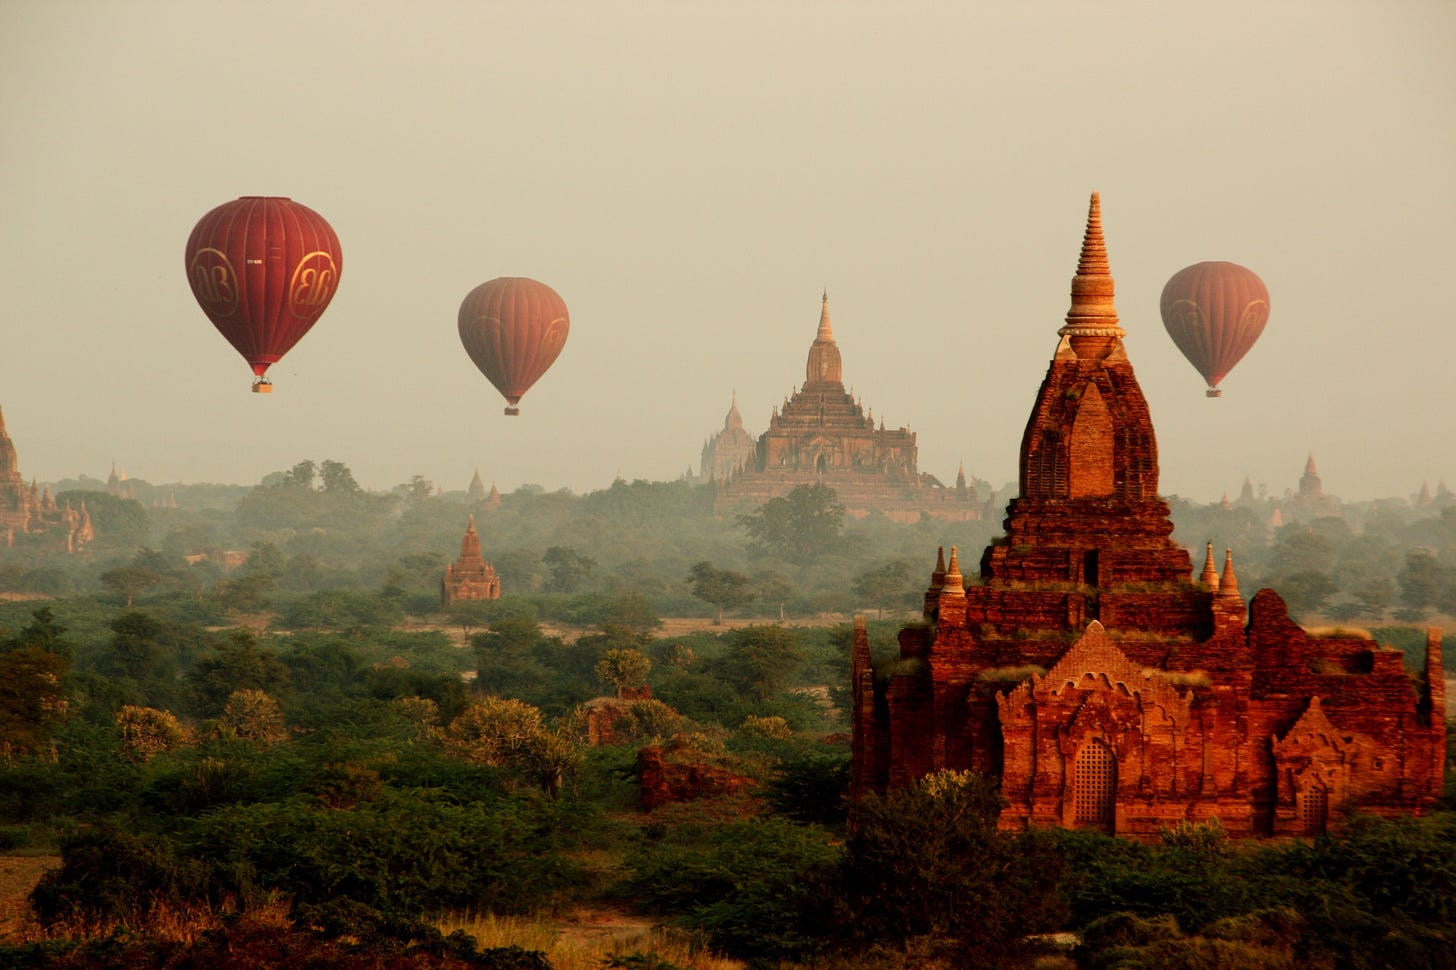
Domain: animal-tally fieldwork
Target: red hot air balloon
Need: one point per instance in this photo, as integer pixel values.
(263, 269)
(1214, 312)
(513, 328)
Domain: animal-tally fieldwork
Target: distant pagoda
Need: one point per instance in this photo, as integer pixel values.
(821, 436)
(28, 510)
(470, 577)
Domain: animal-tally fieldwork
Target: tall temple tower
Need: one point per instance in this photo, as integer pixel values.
(822, 436)
(1102, 684)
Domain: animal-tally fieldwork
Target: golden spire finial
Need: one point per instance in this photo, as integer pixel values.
(826, 332)
(1209, 576)
(1229, 584)
(1093, 313)
(471, 526)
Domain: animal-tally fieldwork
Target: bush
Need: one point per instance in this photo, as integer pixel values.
(401, 853)
(759, 888)
(108, 875)
(927, 861)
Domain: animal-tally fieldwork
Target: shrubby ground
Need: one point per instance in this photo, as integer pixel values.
(303, 760)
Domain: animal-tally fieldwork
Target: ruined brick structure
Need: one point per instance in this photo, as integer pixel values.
(470, 577)
(1101, 683)
(823, 436)
(28, 510)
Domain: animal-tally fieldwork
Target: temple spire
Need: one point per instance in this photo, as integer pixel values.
(1229, 584)
(824, 363)
(733, 418)
(1092, 319)
(954, 583)
(1209, 576)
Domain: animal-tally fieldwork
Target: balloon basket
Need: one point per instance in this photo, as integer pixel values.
(1213, 392)
(513, 411)
(261, 386)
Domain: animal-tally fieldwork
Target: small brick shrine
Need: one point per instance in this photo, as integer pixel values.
(470, 577)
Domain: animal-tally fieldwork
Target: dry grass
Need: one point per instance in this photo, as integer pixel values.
(18, 876)
(585, 940)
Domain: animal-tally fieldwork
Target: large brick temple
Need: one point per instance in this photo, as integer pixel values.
(26, 510)
(822, 435)
(1104, 684)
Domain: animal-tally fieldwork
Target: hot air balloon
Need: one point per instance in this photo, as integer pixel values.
(263, 269)
(513, 328)
(1214, 312)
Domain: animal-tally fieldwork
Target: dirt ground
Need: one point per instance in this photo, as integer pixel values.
(18, 876)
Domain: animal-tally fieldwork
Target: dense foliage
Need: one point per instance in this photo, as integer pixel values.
(297, 732)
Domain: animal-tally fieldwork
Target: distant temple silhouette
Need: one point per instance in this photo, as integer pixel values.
(32, 511)
(822, 436)
(1101, 683)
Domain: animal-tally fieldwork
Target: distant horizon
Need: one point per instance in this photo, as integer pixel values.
(1011, 484)
(690, 178)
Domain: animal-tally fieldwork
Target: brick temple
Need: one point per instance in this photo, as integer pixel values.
(26, 510)
(822, 435)
(1104, 684)
(470, 577)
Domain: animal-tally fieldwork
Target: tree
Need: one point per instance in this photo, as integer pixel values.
(569, 569)
(928, 862)
(1421, 580)
(237, 663)
(799, 527)
(773, 588)
(507, 733)
(724, 589)
(147, 732)
(469, 614)
(886, 583)
(252, 715)
(301, 475)
(32, 690)
(337, 479)
(623, 670)
(245, 594)
(129, 582)
(761, 658)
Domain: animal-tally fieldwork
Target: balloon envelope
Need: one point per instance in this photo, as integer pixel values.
(263, 269)
(1214, 312)
(514, 329)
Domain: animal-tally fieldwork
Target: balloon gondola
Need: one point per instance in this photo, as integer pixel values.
(513, 328)
(1214, 311)
(263, 269)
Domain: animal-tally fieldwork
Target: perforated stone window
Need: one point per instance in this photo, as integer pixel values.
(1095, 797)
(1316, 810)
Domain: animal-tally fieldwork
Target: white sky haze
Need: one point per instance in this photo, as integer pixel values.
(689, 176)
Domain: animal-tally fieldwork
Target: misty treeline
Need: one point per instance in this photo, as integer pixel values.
(311, 546)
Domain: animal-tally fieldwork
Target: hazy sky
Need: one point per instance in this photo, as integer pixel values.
(689, 176)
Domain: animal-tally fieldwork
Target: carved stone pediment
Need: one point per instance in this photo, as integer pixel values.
(1094, 664)
(1314, 736)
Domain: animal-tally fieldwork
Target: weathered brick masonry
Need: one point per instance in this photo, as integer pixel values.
(1103, 684)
